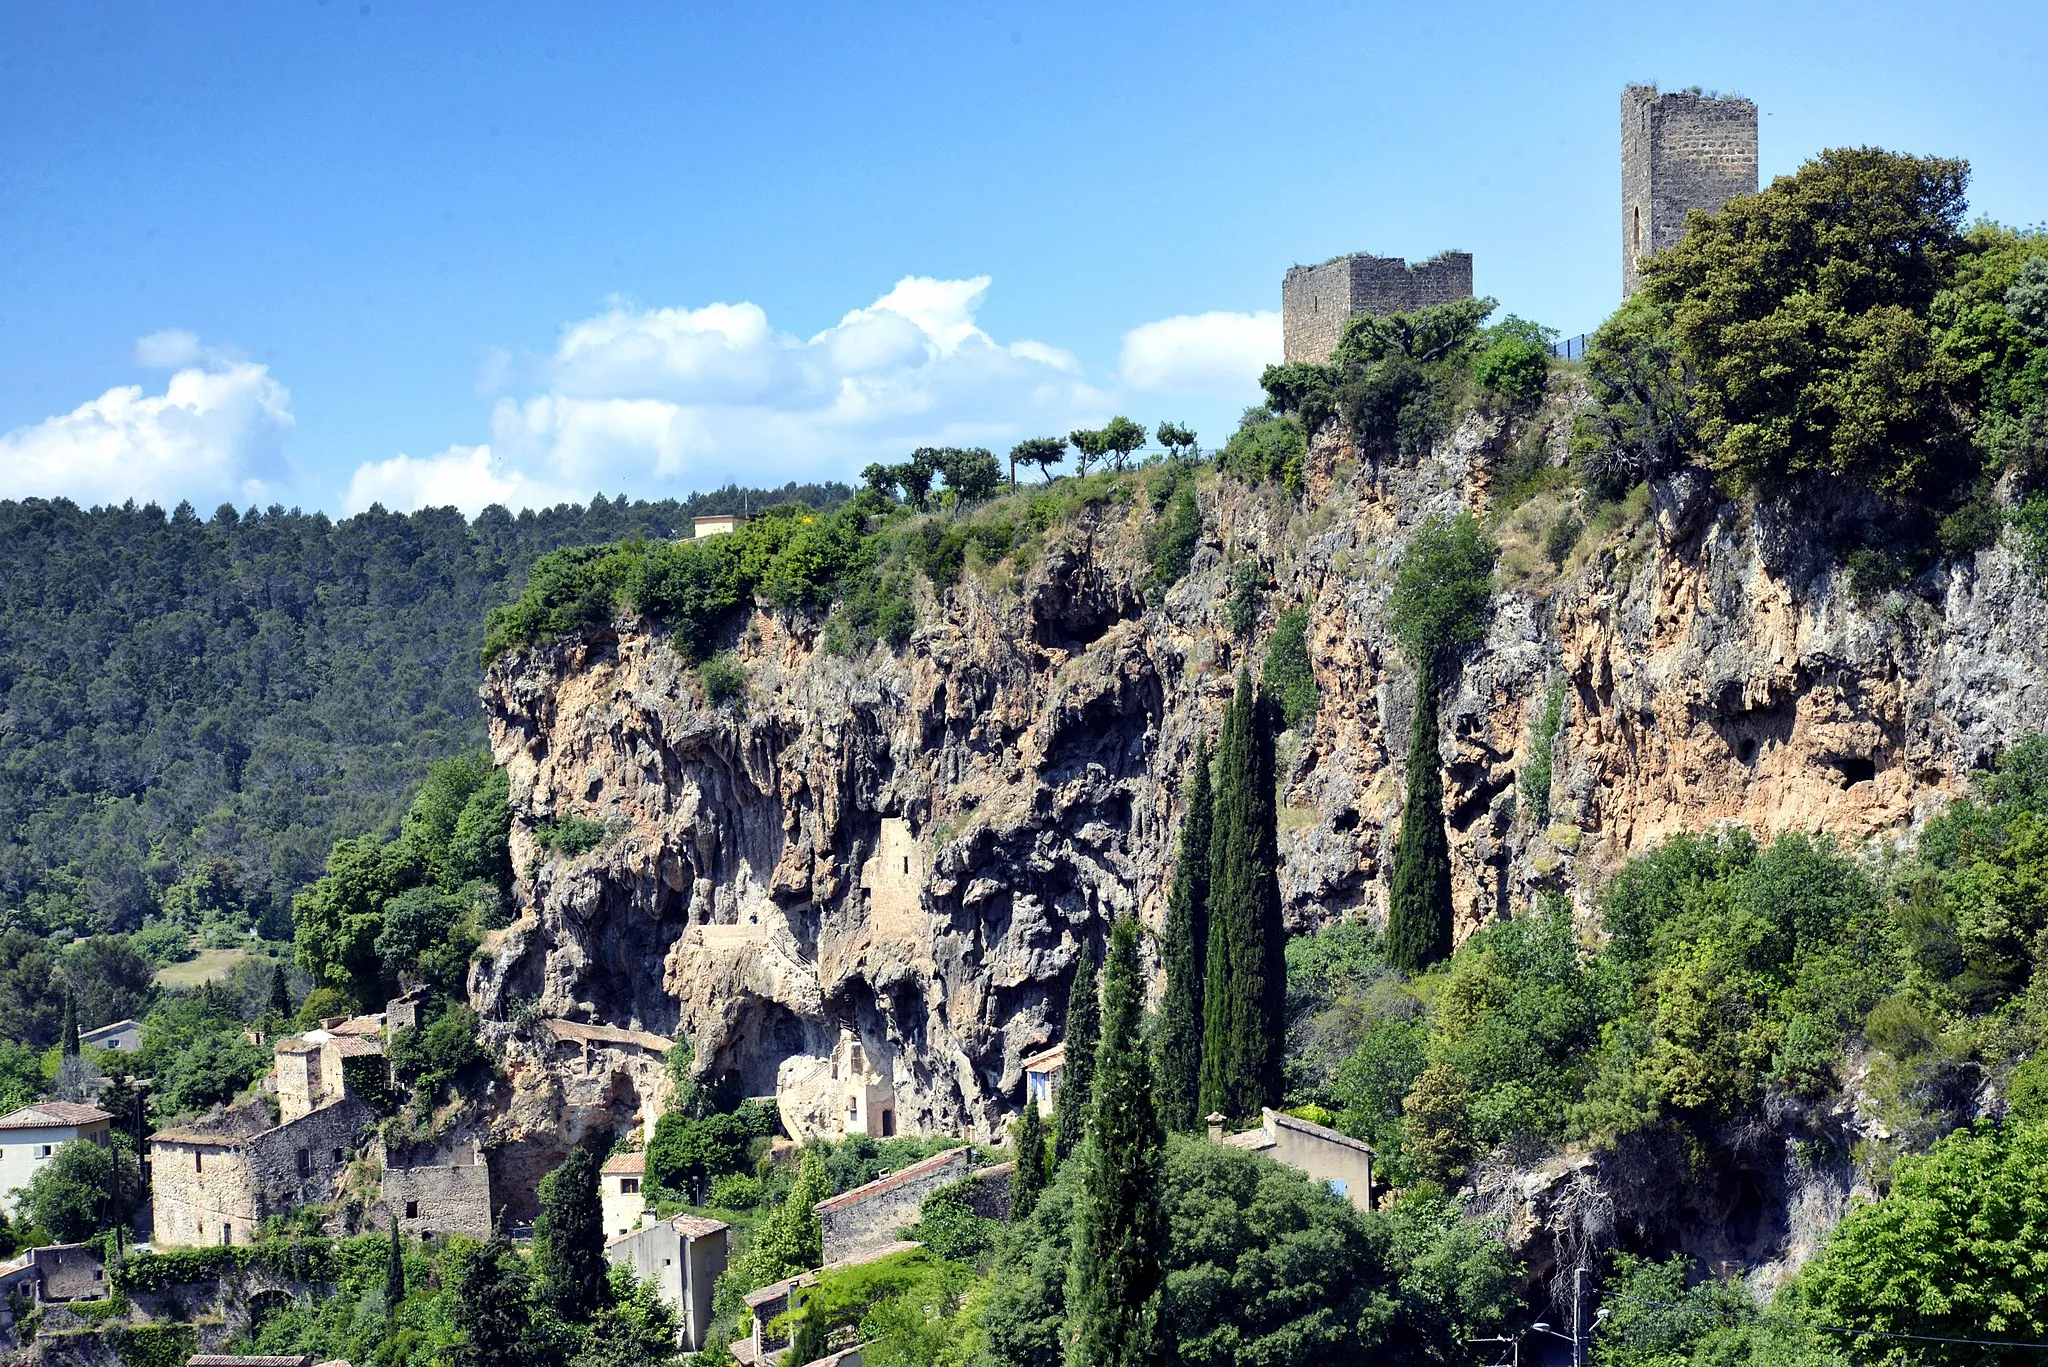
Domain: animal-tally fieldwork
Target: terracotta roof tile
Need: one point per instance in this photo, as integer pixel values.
(46, 1113)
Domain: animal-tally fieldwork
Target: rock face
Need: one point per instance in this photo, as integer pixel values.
(907, 849)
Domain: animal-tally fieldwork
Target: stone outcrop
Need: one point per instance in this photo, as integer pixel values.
(912, 845)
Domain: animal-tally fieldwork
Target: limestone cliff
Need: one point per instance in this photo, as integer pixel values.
(903, 851)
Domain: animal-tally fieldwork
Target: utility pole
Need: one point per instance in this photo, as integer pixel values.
(1579, 1316)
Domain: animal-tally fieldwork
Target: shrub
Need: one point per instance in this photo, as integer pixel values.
(1288, 675)
(1176, 534)
(1267, 449)
(723, 679)
(1400, 378)
(570, 835)
(1441, 588)
(1514, 361)
(1247, 593)
(1536, 774)
(735, 1191)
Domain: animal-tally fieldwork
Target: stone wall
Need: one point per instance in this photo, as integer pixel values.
(1679, 152)
(870, 1217)
(451, 1195)
(1317, 301)
(988, 1191)
(210, 1190)
(71, 1272)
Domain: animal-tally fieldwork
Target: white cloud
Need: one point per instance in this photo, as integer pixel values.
(216, 432)
(467, 477)
(665, 400)
(1215, 355)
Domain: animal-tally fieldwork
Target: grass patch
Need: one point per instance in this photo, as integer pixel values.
(203, 967)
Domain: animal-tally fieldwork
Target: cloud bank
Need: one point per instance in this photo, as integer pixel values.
(217, 431)
(1212, 355)
(682, 398)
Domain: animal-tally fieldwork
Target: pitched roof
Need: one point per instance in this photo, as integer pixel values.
(625, 1163)
(234, 1360)
(1309, 1127)
(212, 1139)
(1056, 1054)
(355, 1046)
(943, 1158)
(696, 1226)
(43, 1114)
(360, 1025)
(111, 1028)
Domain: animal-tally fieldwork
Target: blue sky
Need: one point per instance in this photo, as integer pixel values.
(319, 253)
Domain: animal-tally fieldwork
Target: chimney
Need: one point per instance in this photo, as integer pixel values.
(1215, 1129)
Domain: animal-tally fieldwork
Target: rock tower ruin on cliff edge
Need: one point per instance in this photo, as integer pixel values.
(1679, 152)
(1317, 301)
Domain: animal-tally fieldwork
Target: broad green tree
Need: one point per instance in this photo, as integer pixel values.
(1119, 1252)
(789, 1241)
(1244, 996)
(1187, 947)
(1077, 1074)
(71, 1194)
(1119, 439)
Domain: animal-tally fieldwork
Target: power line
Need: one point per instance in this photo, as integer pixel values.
(1829, 1328)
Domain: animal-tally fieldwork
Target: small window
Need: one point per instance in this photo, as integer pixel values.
(45, 1150)
(852, 1107)
(227, 1235)
(906, 865)
(337, 1155)
(412, 1210)
(665, 1262)
(888, 1123)
(198, 1161)
(1338, 1185)
(629, 1186)
(305, 1162)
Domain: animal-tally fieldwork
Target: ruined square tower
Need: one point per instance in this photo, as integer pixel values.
(1317, 301)
(1679, 152)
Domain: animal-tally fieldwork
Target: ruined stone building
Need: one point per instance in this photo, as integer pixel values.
(856, 1223)
(1679, 152)
(1317, 301)
(217, 1181)
(683, 1258)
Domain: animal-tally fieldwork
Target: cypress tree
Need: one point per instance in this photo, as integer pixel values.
(1117, 1268)
(1187, 948)
(70, 1026)
(1077, 1074)
(809, 1340)
(1419, 894)
(491, 1309)
(1032, 1173)
(394, 1272)
(1244, 996)
(568, 1240)
(280, 993)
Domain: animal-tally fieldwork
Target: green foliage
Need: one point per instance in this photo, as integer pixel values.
(1034, 1161)
(430, 1056)
(71, 1194)
(1805, 309)
(688, 1151)
(948, 1226)
(1536, 774)
(492, 1310)
(210, 1069)
(1513, 361)
(1186, 953)
(1117, 1273)
(723, 678)
(1267, 449)
(1640, 420)
(1288, 675)
(1952, 1250)
(1263, 1265)
(1419, 891)
(1399, 379)
(636, 1329)
(1244, 995)
(570, 836)
(789, 1241)
(1171, 541)
(1044, 452)
(154, 1345)
(1077, 1075)
(568, 1240)
(1442, 585)
(1247, 594)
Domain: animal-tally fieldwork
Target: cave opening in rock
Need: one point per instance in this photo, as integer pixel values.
(1856, 769)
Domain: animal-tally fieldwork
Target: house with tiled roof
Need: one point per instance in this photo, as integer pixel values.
(619, 1194)
(1341, 1163)
(31, 1136)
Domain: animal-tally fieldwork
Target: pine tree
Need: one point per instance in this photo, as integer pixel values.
(1419, 894)
(1077, 1074)
(1117, 1268)
(568, 1240)
(1032, 1171)
(1244, 994)
(1187, 948)
(394, 1272)
(70, 1026)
